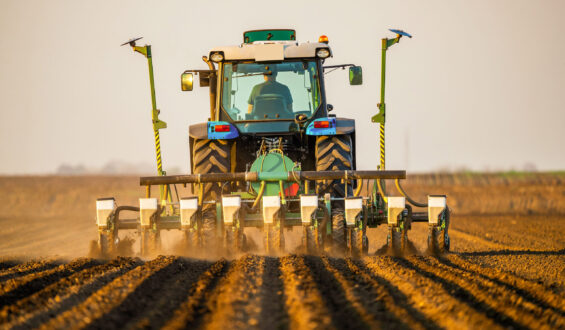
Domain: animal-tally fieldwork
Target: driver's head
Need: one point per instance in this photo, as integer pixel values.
(272, 76)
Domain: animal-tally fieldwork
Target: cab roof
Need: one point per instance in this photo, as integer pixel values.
(264, 51)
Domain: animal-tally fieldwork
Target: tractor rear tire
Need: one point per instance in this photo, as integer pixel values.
(335, 152)
(210, 156)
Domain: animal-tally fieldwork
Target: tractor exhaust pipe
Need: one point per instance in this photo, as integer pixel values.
(213, 86)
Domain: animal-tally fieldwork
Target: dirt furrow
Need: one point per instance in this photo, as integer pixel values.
(343, 306)
(158, 303)
(19, 288)
(356, 295)
(304, 301)
(499, 299)
(27, 268)
(390, 303)
(474, 239)
(466, 295)
(273, 309)
(434, 300)
(531, 291)
(62, 295)
(108, 297)
(141, 298)
(190, 313)
(53, 291)
(236, 299)
(7, 264)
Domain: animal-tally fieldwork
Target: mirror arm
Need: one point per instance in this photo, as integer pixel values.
(343, 66)
(335, 67)
(199, 71)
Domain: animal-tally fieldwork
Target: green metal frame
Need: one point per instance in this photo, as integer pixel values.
(164, 190)
(380, 117)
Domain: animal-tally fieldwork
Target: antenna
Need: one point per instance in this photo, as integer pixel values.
(131, 42)
(400, 32)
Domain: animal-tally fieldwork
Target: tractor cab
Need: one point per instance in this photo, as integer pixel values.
(252, 93)
(270, 83)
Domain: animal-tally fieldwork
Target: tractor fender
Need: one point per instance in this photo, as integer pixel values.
(198, 131)
(331, 126)
(345, 126)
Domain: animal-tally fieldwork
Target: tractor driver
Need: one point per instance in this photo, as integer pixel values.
(270, 86)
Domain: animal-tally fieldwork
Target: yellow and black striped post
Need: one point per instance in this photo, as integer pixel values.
(158, 152)
(382, 145)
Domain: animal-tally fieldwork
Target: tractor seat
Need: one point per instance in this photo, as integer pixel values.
(270, 106)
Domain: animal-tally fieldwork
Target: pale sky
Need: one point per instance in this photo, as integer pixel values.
(481, 85)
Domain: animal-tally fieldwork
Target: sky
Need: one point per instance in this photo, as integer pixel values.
(480, 86)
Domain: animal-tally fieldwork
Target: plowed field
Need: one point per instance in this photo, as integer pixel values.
(506, 269)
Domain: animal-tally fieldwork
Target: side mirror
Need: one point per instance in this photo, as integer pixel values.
(329, 107)
(355, 75)
(186, 81)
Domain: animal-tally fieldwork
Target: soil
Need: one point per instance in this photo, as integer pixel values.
(506, 268)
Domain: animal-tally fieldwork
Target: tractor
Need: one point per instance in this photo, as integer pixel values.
(272, 155)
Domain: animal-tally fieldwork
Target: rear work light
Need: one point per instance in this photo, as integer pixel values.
(222, 128)
(217, 57)
(323, 52)
(322, 124)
